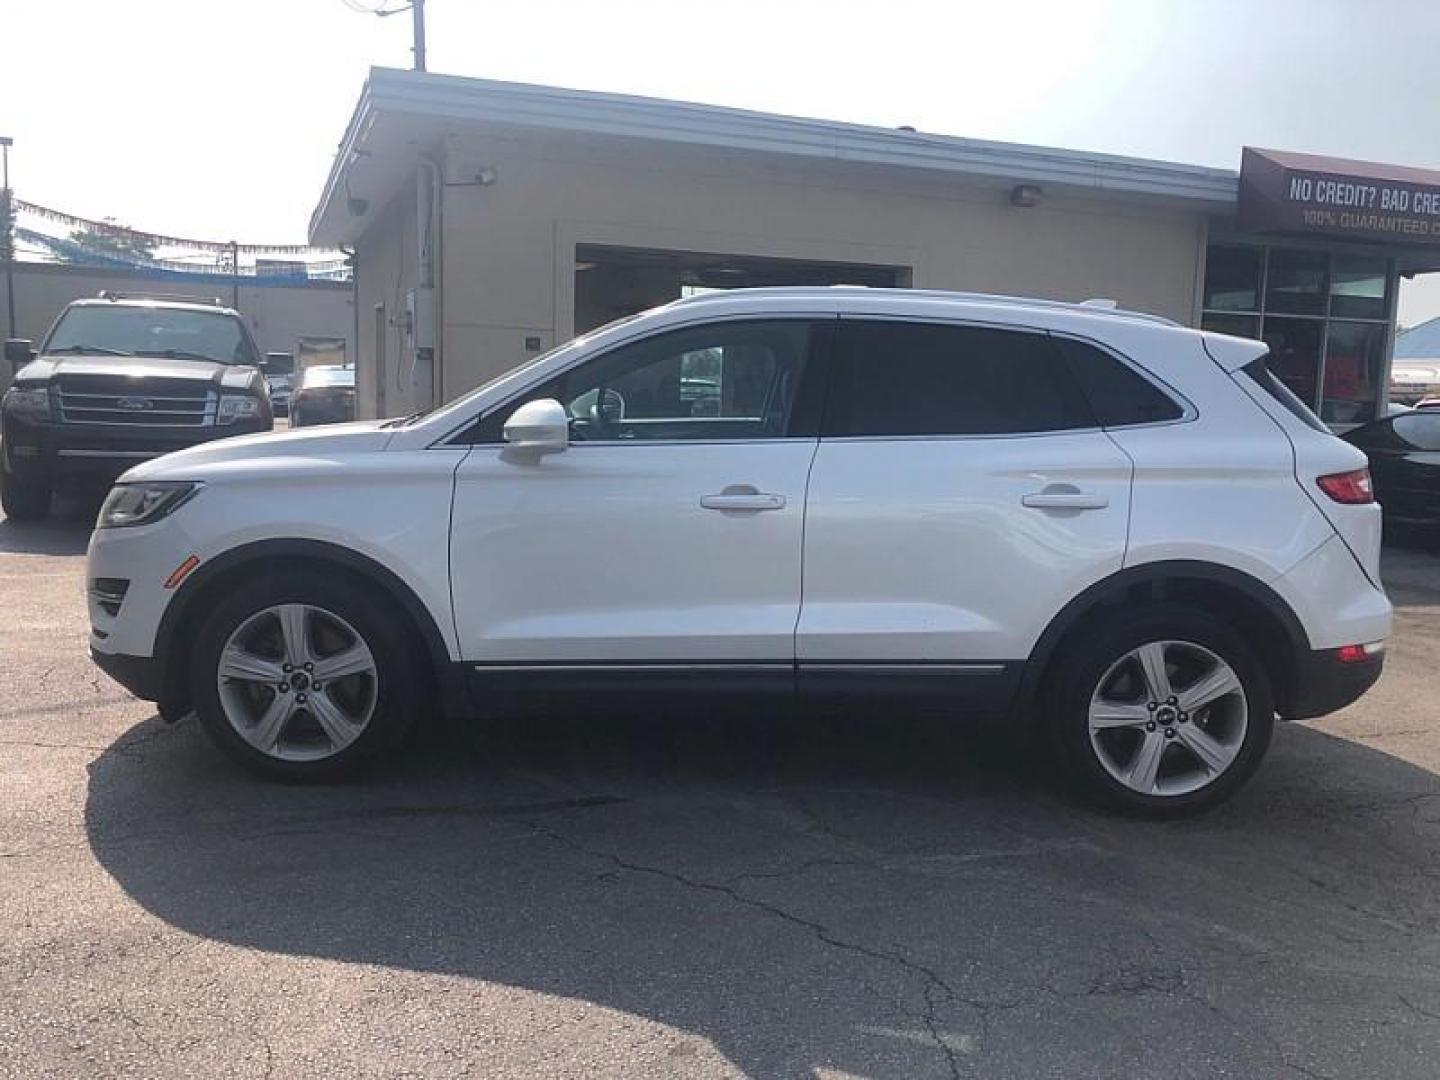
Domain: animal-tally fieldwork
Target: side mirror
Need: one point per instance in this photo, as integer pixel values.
(18, 353)
(542, 427)
(278, 363)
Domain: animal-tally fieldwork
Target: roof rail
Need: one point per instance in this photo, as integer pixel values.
(1088, 307)
(113, 294)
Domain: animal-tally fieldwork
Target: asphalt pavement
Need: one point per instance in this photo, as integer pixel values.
(680, 895)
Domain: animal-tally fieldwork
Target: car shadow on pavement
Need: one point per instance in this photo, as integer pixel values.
(874, 897)
(65, 532)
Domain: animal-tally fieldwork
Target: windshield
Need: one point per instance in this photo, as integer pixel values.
(116, 330)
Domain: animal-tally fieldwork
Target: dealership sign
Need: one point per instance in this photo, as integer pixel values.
(1305, 193)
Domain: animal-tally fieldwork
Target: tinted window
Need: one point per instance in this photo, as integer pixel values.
(1297, 281)
(1420, 429)
(905, 378)
(1357, 286)
(1405, 433)
(1117, 394)
(1259, 370)
(1232, 278)
(728, 380)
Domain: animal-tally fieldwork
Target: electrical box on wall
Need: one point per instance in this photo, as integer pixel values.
(420, 317)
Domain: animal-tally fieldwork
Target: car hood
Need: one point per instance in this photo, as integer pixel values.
(307, 448)
(228, 376)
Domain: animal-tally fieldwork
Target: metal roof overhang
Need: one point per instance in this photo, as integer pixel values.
(401, 114)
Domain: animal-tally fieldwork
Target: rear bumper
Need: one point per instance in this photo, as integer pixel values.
(1324, 684)
(141, 675)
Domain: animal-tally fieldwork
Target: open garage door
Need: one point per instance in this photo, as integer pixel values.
(612, 282)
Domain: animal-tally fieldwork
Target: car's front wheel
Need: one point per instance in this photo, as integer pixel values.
(305, 677)
(1165, 711)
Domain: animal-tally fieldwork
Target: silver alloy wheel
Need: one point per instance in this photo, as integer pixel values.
(297, 682)
(1168, 718)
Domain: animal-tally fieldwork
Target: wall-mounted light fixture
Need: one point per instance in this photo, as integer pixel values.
(1025, 195)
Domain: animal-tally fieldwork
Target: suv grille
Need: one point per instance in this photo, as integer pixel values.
(108, 400)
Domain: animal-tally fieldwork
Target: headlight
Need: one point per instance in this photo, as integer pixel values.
(237, 407)
(32, 404)
(142, 503)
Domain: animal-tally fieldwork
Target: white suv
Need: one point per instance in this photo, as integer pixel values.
(1100, 522)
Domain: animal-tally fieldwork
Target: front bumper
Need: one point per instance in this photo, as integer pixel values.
(1325, 684)
(143, 676)
(46, 453)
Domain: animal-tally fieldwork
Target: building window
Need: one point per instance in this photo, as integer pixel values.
(1324, 316)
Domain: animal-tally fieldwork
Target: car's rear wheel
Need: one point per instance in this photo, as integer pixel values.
(22, 500)
(305, 677)
(1162, 712)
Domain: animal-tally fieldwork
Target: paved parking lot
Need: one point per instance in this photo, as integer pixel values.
(671, 896)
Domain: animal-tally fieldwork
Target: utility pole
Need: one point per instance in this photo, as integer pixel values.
(5, 143)
(417, 11)
(234, 275)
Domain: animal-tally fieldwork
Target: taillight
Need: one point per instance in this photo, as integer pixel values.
(1348, 487)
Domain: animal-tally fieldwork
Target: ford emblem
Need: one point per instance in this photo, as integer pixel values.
(135, 404)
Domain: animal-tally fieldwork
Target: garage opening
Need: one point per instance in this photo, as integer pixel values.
(612, 282)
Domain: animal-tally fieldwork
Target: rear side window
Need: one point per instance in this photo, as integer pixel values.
(1406, 433)
(1117, 394)
(1418, 430)
(909, 378)
(1259, 371)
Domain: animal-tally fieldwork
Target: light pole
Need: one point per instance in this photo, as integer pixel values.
(417, 9)
(5, 143)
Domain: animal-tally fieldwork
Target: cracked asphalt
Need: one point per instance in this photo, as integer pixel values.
(680, 895)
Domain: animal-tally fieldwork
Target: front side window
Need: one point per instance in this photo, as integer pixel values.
(909, 378)
(728, 380)
(135, 330)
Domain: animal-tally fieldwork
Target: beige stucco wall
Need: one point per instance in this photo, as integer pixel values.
(386, 258)
(279, 315)
(509, 247)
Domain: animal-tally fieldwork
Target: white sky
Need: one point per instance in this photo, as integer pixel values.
(218, 118)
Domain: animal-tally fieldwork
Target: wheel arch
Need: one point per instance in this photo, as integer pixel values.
(1254, 609)
(177, 630)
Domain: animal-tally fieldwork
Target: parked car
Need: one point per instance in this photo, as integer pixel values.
(326, 395)
(1127, 533)
(119, 380)
(1428, 403)
(1404, 454)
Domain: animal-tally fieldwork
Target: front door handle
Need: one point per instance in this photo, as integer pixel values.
(743, 498)
(1064, 497)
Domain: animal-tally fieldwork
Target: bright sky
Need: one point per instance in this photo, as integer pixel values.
(219, 118)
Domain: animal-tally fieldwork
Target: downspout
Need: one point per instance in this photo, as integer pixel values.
(426, 382)
(352, 353)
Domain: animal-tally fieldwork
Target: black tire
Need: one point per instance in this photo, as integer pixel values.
(22, 501)
(400, 687)
(1086, 657)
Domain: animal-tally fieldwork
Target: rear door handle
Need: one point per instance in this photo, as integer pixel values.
(1064, 497)
(743, 500)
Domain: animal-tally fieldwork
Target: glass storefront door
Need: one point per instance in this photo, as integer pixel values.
(1324, 315)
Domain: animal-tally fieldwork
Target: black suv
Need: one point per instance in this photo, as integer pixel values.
(118, 380)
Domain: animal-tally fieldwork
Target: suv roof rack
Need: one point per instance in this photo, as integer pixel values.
(1088, 307)
(113, 294)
